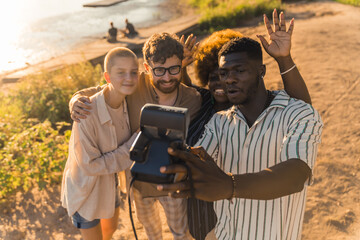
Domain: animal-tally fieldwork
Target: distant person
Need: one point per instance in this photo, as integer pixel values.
(129, 30)
(98, 149)
(112, 33)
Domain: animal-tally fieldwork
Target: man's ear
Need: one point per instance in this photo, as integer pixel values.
(147, 67)
(262, 70)
(107, 77)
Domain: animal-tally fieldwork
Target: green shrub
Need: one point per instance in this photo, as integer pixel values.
(10, 119)
(33, 142)
(34, 154)
(46, 95)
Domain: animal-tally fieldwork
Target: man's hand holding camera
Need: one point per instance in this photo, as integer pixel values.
(208, 182)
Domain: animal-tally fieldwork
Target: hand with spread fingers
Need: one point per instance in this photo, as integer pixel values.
(208, 182)
(280, 38)
(79, 108)
(190, 46)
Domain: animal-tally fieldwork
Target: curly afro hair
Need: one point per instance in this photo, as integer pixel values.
(207, 55)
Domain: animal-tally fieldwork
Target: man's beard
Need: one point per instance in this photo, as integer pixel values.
(167, 90)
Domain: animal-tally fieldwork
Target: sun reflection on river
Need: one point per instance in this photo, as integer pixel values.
(11, 25)
(37, 30)
(16, 18)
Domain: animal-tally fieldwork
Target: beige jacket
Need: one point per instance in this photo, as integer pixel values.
(88, 184)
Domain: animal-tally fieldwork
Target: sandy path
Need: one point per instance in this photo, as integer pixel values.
(326, 47)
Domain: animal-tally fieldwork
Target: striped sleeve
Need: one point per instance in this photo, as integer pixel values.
(302, 136)
(210, 140)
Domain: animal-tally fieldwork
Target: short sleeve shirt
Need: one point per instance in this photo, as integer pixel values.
(287, 129)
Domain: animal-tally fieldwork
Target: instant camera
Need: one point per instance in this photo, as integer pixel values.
(160, 127)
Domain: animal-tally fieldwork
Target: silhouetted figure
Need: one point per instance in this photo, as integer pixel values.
(112, 33)
(129, 30)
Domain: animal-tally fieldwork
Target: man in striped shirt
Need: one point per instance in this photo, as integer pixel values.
(259, 154)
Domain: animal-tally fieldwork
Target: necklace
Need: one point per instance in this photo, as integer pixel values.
(177, 95)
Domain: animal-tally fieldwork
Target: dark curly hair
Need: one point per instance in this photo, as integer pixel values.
(207, 55)
(161, 46)
(244, 44)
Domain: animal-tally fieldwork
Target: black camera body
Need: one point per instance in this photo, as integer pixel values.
(160, 127)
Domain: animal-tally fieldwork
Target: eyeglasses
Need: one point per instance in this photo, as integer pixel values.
(160, 71)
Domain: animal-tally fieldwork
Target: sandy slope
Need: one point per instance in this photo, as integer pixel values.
(326, 47)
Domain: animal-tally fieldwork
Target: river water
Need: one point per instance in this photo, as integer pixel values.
(36, 30)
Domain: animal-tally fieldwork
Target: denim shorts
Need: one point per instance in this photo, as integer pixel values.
(82, 223)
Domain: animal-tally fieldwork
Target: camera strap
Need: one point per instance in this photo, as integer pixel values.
(130, 212)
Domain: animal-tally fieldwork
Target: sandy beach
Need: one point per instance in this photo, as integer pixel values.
(326, 47)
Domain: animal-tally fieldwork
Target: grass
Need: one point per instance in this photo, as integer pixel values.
(220, 14)
(350, 2)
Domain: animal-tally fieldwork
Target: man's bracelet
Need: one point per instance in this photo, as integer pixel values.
(282, 73)
(234, 185)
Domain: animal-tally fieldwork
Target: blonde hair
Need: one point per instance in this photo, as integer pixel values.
(117, 52)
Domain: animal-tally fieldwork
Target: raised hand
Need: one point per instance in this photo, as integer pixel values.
(190, 46)
(280, 38)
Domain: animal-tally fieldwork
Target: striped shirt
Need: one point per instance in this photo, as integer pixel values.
(287, 129)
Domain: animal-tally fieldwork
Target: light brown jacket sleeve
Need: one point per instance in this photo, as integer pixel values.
(87, 92)
(89, 157)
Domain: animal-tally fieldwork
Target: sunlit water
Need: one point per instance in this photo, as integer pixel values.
(36, 30)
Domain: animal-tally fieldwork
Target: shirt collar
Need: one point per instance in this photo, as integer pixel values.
(103, 113)
(281, 100)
